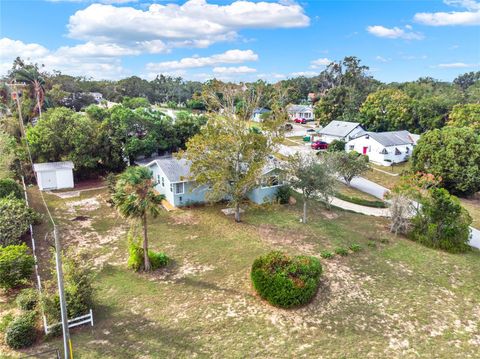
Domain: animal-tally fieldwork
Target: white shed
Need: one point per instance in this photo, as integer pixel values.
(54, 175)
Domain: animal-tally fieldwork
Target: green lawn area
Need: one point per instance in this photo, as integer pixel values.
(393, 299)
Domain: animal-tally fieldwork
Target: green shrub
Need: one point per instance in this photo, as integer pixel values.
(136, 259)
(16, 218)
(27, 299)
(5, 321)
(286, 281)
(9, 187)
(157, 259)
(21, 332)
(327, 254)
(283, 194)
(336, 146)
(355, 247)
(372, 244)
(341, 251)
(16, 265)
(442, 222)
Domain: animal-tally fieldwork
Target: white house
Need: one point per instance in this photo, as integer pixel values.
(340, 130)
(384, 148)
(257, 114)
(300, 112)
(54, 175)
(172, 177)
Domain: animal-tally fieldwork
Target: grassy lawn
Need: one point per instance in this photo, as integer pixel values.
(473, 207)
(393, 299)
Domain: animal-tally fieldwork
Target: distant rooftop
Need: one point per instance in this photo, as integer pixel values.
(298, 108)
(51, 166)
(339, 128)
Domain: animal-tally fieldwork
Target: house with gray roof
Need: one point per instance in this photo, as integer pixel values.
(384, 148)
(173, 180)
(340, 130)
(257, 114)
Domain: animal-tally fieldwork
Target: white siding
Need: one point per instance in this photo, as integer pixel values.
(374, 150)
(55, 179)
(64, 178)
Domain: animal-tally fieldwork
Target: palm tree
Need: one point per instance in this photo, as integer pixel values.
(32, 76)
(135, 198)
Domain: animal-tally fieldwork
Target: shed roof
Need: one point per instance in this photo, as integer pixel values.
(392, 138)
(339, 128)
(52, 166)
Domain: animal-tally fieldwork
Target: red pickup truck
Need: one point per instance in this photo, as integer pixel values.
(319, 145)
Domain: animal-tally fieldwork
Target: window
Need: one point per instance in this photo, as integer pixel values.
(407, 150)
(384, 151)
(179, 188)
(397, 151)
(351, 147)
(158, 179)
(271, 181)
(163, 182)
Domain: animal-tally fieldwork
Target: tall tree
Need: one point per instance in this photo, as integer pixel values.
(227, 154)
(32, 76)
(135, 197)
(312, 178)
(349, 165)
(467, 115)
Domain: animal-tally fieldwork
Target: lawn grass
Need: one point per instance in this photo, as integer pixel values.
(394, 299)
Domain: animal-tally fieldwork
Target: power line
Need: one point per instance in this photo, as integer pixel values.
(67, 344)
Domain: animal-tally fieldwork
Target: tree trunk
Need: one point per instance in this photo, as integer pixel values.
(39, 107)
(304, 220)
(147, 265)
(237, 212)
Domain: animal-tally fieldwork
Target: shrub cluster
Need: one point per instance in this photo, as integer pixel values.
(16, 265)
(361, 201)
(283, 194)
(27, 299)
(9, 187)
(136, 260)
(286, 281)
(21, 332)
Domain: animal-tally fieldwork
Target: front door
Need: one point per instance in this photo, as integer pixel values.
(365, 150)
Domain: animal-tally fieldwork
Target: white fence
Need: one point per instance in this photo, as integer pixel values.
(72, 323)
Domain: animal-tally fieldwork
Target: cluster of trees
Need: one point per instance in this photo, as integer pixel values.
(101, 139)
(429, 214)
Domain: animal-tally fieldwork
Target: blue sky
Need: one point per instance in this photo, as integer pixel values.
(243, 40)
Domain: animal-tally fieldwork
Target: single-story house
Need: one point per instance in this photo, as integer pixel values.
(172, 177)
(300, 112)
(340, 130)
(384, 148)
(257, 114)
(54, 175)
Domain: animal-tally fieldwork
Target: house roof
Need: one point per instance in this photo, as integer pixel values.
(176, 170)
(298, 108)
(392, 138)
(261, 110)
(52, 166)
(339, 128)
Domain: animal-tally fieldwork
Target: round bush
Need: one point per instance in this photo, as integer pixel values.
(27, 299)
(9, 187)
(286, 281)
(21, 333)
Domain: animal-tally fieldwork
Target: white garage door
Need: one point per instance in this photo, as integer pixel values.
(49, 180)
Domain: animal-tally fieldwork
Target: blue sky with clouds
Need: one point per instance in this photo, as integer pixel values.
(241, 40)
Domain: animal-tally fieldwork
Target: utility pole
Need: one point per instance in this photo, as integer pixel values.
(61, 293)
(67, 344)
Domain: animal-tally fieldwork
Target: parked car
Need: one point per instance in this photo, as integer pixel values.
(300, 120)
(310, 131)
(319, 145)
(288, 127)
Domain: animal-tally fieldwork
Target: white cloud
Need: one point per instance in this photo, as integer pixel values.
(233, 70)
(456, 65)
(315, 64)
(228, 57)
(469, 17)
(394, 33)
(194, 23)
(382, 59)
(83, 60)
(304, 73)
